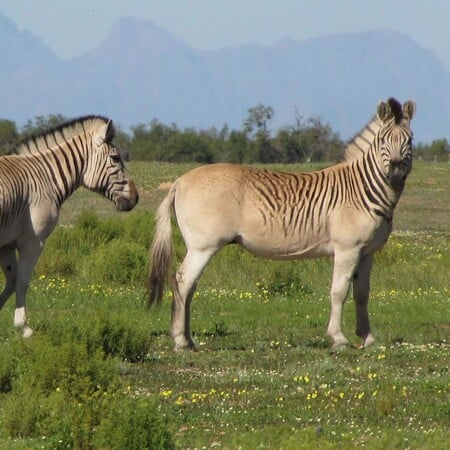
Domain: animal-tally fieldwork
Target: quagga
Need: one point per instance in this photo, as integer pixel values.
(344, 211)
(35, 181)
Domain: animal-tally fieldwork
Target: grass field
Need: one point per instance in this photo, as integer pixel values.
(100, 371)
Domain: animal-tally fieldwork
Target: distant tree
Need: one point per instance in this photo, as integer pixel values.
(9, 136)
(256, 126)
(319, 142)
(420, 150)
(216, 141)
(123, 143)
(265, 151)
(41, 124)
(308, 140)
(258, 119)
(439, 150)
(238, 148)
(224, 132)
(290, 143)
(139, 142)
(149, 142)
(188, 146)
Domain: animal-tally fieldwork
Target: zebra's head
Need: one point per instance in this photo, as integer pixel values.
(107, 174)
(394, 141)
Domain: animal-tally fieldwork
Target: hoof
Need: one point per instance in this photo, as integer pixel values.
(185, 348)
(184, 345)
(339, 346)
(368, 341)
(339, 342)
(27, 331)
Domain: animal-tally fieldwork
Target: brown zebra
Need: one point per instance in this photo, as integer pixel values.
(35, 181)
(344, 211)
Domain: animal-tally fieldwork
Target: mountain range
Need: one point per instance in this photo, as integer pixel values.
(141, 72)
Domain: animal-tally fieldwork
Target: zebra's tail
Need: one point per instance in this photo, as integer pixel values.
(161, 250)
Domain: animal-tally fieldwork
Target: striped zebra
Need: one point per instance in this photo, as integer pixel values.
(44, 171)
(344, 211)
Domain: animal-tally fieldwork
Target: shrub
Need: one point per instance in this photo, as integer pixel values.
(118, 261)
(95, 230)
(7, 370)
(139, 228)
(59, 392)
(123, 342)
(133, 423)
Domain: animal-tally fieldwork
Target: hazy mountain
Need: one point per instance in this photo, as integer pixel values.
(141, 72)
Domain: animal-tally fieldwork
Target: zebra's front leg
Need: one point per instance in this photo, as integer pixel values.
(20, 315)
(344, 266)
(361, 289)
(28, 257)
(8, 264)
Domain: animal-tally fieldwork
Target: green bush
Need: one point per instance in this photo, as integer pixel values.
(54, 386)
(118, 261)
(104, 331)
(100, 251)
(123, 340)
(61, 254)
(133, 423)
(94, 230)
(139, 227)
(72, 396)
(7, 370)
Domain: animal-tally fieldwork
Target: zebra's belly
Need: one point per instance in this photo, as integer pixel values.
(276, 247)
(13, 230)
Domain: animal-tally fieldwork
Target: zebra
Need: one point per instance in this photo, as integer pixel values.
(344, 211)
(37, 178)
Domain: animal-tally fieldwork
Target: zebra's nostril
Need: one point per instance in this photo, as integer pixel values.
(395, 164)
(126, 201)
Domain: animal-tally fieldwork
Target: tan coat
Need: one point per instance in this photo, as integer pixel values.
(344, 211)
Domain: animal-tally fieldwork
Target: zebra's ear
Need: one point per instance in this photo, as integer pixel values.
(105, 133)
(110, 131)
(384, 111)
(409, 109)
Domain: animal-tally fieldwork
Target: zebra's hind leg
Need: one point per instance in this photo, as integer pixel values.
(183, 291)
(361, 289)
(180, 329)
(8, 264)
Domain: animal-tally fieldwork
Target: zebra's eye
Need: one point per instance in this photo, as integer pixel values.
(115, 157)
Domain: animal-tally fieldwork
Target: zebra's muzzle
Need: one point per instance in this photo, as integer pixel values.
(397, 175)
(127, 199)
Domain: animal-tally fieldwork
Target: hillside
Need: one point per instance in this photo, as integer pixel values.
(141, 72)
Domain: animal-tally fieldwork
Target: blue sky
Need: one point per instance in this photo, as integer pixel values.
(72, 27)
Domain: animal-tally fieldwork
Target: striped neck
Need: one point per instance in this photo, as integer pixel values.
(62, 167)
(378, 196)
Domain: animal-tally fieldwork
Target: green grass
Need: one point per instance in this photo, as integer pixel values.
(100, 371)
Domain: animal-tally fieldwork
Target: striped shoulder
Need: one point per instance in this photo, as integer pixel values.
(62, 133)
(359, 145)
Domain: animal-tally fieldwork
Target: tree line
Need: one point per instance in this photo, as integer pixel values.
(305, 140)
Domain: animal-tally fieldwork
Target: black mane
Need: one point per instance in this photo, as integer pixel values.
(60, 133)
